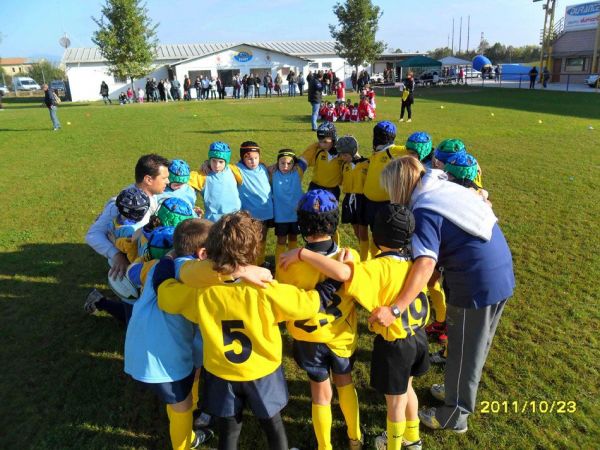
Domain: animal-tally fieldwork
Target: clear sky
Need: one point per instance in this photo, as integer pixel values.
(32, 28)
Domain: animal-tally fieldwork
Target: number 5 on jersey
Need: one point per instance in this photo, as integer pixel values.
(231, 334)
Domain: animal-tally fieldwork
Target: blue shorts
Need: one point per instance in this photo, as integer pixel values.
(285, 228)
(265, 397)
(370, 210)
(318, 360)
(172, 392)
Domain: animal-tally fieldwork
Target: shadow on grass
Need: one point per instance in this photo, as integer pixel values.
(63, 374)
(241, 130)
(574, 104)
(30, 129)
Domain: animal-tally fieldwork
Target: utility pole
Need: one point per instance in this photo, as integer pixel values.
(453, 36)
(468, 31)
(595, 68)
(460, 36)
(547, 36)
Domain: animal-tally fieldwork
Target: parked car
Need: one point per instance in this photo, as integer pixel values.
(593, 81)
(3, 89)
(25, 84)
(58, 85)
(472, 73)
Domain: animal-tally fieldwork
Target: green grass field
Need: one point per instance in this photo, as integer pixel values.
(62, 383)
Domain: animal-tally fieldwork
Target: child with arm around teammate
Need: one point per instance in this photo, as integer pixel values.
(239, 326)
(400, 351)
(326, 343)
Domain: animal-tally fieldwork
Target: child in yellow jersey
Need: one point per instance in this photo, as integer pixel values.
(384, 150)
(326, 342)
(240, 332)
(354, 172)
(322, 156)
(400, 351)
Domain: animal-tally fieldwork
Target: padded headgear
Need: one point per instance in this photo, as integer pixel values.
(463, 166)
(133, 203)
(248, 146)
(327, 130)
(219, 150)
(179, 171)
(384, 133)
(393, 226)
(173, 211)
(318, 213)
(448, 149)
(420, 143)
(160, 242)
(347, 145)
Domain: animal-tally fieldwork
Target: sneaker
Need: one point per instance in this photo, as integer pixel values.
(437, 357)
(381, 441)
(355, 444)
(201, 436)
(438, 391)
(401, 120)
(409, 120)
(416, 445)
(90, 302)
(427, 417)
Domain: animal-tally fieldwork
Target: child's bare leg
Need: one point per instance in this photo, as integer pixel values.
(281, 247)
(348, 404)
(355, 227)
(292, 241)
(396, 420)
(363, 242)
(321, 394)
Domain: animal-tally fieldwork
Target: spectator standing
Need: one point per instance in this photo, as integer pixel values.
(198, 87)
(291, 84)
(176, 89)
(148, 90)
(51, 102)
(268, 83)
(104, 93)
(545, 77)
(533, 73)
(205, 87)
(161, 91)
(129, 95)
(354, 80)
(168, 87)
(220, 88)
(257, 85)
(154, 90)
(278, 82)
(301, 83)
(315, 95)
(407, 97)
(236, 86)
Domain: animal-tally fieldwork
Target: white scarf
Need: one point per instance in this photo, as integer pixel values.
(460, 205)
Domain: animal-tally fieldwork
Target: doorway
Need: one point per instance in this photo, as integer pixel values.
(226, 76)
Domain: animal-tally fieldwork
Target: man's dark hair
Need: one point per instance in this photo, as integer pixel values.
(149, 165)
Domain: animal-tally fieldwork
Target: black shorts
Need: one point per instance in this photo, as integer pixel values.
(269, 223)
(172, 392)
(285, 228)
(318, 360)
(353, 209)
(393, 363)
(334, 190)
(265, 397)
(370, 210)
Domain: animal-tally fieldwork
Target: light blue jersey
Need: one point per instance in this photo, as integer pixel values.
(255, 191)
(220, 194)
(124, 228)
(287, 190)
(185, 192)
(158, 345)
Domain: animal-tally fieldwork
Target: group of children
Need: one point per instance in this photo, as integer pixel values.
(202, 310)
(346, 111)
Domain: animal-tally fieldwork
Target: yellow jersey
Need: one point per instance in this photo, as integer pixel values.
(353, 176)
(337, 325)
(239, 323)
(376, 283)
(377, 161)
(327, 168)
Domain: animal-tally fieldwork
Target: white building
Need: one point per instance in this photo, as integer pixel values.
(86, 68)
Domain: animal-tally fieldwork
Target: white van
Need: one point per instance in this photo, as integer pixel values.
(25, 84)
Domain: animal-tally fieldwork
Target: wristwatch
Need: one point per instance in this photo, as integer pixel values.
(396, 311)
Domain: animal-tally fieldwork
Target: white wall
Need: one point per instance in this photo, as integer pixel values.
(85, 80)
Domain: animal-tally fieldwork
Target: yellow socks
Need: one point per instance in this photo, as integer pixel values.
(279, 249)
(349, 406)
(321, 417)
(411, 434)
(180, 428)
(438, 301)
(395, 431)
(195, 393)
(363, 250)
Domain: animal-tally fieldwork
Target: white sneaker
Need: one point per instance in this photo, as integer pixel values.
(381, 441)
(90, 302)
(409, 120)
(438, 391)
(400, 120)
(416, 445)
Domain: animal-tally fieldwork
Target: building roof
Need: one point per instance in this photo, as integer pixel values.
(168, 52)
(419, 61)
(580, 42)
(454, 61)
(14, 61)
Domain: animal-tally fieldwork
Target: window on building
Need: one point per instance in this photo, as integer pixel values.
(13, 69)
(576, 64)
(120, 80)
(326, 65)
(314, 66)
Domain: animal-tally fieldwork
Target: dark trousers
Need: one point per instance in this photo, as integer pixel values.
(532, 82)
(301, 88)
(116, 308)
(406, 106)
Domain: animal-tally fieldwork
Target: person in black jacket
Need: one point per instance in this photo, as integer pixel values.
(407, 97)
(50, 102)
(315, 94)
(104, 92)
(533, 73)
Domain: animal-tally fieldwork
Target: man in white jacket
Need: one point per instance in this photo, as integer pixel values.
(151, 176)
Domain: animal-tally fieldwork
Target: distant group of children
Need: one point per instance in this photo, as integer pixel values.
(200, 308)
(346, 111)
